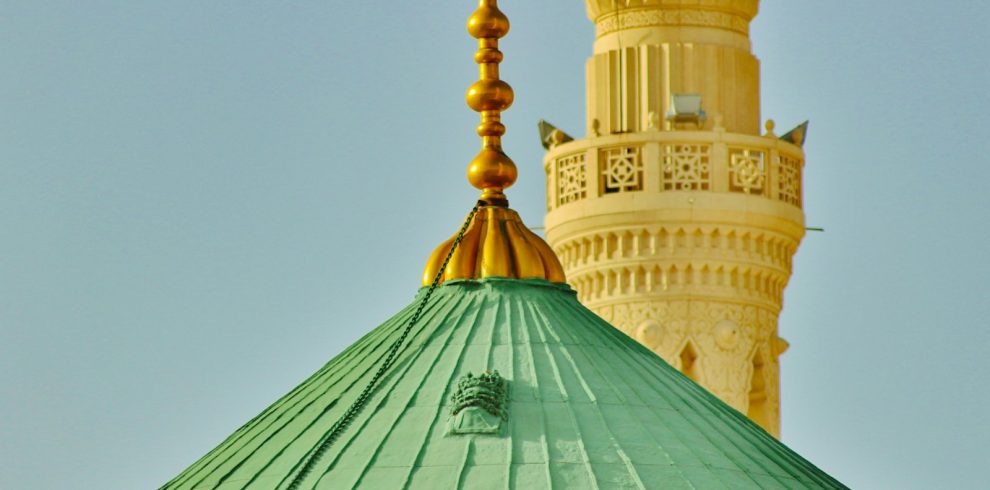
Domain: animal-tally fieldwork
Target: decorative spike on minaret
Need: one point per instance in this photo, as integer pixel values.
(496, 243)
(492, 170)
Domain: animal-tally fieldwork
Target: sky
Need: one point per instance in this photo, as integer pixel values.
(203, 202)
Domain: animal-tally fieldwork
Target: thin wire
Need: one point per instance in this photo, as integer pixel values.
(345, 420)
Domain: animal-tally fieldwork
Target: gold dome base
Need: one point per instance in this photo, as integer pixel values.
(496, 244)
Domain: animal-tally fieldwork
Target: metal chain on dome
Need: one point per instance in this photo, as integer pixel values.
(345, 420)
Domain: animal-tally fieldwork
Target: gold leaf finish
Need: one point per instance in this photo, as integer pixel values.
(492, 170)
(496, 244)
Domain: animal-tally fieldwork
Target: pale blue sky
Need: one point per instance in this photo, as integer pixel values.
(202, 202)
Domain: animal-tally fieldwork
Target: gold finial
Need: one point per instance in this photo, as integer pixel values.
(496, 243)
(492, 170)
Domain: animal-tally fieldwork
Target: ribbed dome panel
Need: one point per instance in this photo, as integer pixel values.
(588, 407)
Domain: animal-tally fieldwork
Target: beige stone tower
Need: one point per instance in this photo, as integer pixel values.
(675, 218)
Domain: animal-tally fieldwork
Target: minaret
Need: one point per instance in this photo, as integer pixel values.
(675, 219)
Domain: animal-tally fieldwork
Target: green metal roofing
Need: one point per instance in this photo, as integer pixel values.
(587, 407)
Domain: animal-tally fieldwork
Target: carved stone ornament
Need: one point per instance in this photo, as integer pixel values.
(650, 334)
(478, 404)
(676, 18)
(727, 335)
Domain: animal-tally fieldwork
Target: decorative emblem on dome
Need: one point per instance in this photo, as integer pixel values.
(478, 404)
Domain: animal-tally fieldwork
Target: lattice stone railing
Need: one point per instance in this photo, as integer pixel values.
(571, 179)
(673, 161)
(621, 169)
(685, 167)
(789, 179)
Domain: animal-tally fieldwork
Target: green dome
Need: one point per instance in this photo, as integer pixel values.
(574, 404)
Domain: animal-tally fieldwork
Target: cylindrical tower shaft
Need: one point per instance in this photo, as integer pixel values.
(648, 50)
(675, 219)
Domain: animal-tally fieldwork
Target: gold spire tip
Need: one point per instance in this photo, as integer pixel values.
(495, 243)
(492, 170)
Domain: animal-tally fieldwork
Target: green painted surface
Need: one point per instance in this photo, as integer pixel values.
(588, 407)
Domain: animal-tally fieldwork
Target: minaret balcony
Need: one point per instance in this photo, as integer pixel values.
(640, 168)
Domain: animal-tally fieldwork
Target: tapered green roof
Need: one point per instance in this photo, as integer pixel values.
(581, 406)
